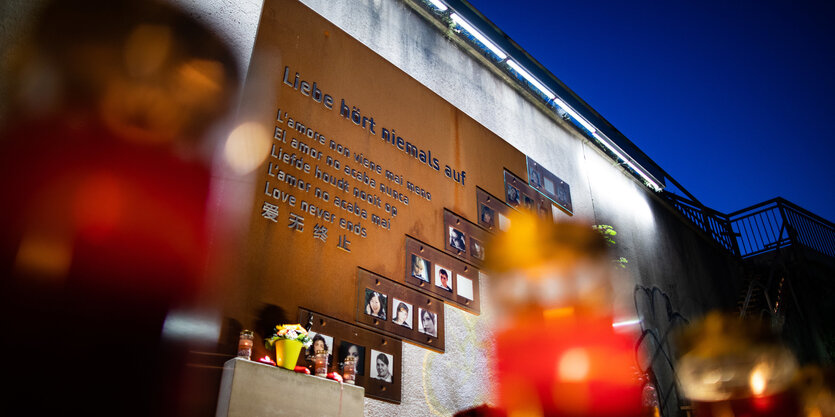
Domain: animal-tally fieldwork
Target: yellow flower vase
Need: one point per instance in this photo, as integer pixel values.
(287, 353)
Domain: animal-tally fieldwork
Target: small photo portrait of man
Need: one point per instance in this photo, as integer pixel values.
(427, 322)
(442, 278)
(382, 366)
(356, 351)
(457, 239)
(487, 217)
(528, 203)
(476, 249)
(512, 196)
(402, 313)
(420, 268)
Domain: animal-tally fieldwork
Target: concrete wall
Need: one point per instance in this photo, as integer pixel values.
(686, 271)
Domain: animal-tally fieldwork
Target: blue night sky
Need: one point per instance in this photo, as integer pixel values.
(732, 98)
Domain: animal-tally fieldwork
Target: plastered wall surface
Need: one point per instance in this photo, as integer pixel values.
(663, 252)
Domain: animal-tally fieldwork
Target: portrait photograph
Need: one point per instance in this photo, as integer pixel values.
(375, 304)
(476, 249)
(356, 351)
(457, 239)
(382, 366)
(427, 322)
(512, 196)
(420, 268)
(487, 216)
(319, 341)
(443, 277)
(528, 203)
(536, 180)
(401, 313)
(464, 287)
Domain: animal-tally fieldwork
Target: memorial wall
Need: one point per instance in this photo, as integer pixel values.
(376, 196)
(385, 143)
(386, 155)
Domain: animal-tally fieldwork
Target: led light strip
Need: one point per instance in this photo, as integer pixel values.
(440, 6)
(531, 79)
(481, 38)
(604, 140)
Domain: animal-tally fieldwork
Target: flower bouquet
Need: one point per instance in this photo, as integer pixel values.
(288, 340)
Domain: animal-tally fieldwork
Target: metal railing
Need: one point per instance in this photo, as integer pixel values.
(761, 228)
(713, 223)
(778, 223)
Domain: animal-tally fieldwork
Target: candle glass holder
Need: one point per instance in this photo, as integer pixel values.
(320, 360)
(245, 344)
(349, 370)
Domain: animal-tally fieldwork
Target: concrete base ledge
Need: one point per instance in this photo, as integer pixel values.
(250, 389)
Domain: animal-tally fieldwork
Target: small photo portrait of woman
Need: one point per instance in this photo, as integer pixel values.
(375, 304)
(476, 249)
(512, 195)
(457, 239)
(356, 351)
(402, 313)
(536, 178)
(319, 341)
(382, 366)
(427, 322)
(487, 216)
(420, 268)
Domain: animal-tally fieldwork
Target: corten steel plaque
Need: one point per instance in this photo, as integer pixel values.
(462, 290)
(521, 196)
(492, 212)
(464, 239)
(393, 298)
(343, 337)
(550, 185)
(357, 155)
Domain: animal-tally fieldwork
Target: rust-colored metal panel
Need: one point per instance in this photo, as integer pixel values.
(492, 212)
(462, 290)
(520, 195)
(464, 239)
(404, 155)
(347, 339)
(550, 185)
(391, 296)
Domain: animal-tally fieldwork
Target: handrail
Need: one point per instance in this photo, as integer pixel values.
(761, 228)
(778, 223)
(713, 223)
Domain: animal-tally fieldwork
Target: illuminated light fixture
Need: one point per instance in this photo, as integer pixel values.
(531, 79)
(625, 323)
(611, 146)
(438, 5)
(575, 115)
(476, 34)
(615, 150)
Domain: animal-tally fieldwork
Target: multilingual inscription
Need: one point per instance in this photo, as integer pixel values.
(350, 191)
